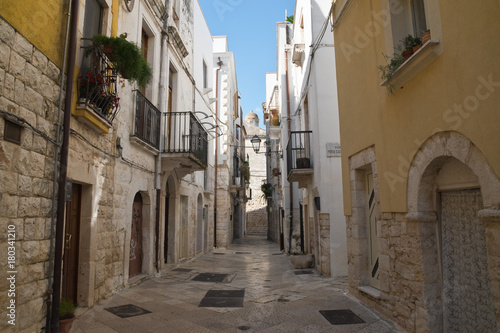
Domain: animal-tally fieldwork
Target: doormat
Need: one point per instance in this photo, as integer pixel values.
(240, 252)
(211, 277)
(219, 253)
(127, 311)
(303, 272)
(223, 299)
(183, 270)
(341, 317)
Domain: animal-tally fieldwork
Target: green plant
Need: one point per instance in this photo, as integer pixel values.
(289, 19)
(266, 189)
(245, 171)
(387, 71)
(409, 42)
(127, 58)
(66, 309)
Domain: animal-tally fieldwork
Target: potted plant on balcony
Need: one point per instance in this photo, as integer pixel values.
(93, 91)
(66, 315)
(426, 36)
(266, 189)
(302, 162)
(387, 71)
(126, 57)
(245, 171)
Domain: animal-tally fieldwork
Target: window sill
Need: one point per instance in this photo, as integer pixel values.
(370, 291)
(413, 65)
(88, 116)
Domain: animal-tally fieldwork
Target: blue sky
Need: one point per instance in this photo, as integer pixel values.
(250, 26)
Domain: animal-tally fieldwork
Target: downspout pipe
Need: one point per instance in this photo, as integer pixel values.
(63, 170)
(217, 104)
(56, 159)
(161, 104)
(289, 132)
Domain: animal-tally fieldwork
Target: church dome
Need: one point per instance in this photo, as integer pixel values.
(252, 118)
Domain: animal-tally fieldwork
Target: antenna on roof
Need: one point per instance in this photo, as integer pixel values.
(286, 14)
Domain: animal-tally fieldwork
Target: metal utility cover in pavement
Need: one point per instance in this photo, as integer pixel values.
(303, 272)
(220, 254)
(127, 311)
(243, 252)
(211, 277)
(223, 299)
(341, 317)
(225, 293)
(183, 270)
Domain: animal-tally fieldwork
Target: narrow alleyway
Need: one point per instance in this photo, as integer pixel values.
(249, 287)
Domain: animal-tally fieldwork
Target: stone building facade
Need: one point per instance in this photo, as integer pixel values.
(29, 91)
(421, 199)
(135, 204)
(257, 223)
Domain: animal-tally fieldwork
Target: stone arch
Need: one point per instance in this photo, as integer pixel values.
(147, 237)
(439, 151)
(432, 155)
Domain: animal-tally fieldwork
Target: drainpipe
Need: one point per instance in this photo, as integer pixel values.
(289, 132)
(161, 103)
(220, 63)
(63, 172)
(56, 158)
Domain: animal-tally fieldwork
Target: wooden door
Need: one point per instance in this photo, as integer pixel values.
(165, 238)
(72, 245)
(468, 304)
(183, 241)
(135, 261)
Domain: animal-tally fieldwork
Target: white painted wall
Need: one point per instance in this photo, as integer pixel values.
(323, 121)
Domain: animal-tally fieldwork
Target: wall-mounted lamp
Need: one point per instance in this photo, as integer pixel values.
(256, 143)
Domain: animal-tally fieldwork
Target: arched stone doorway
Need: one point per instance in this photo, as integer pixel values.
(453, 195)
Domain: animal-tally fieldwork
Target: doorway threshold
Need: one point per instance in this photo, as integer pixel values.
(137, 280)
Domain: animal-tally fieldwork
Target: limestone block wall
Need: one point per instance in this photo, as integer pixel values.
(29, 88)
(256, 208)
(224, 204)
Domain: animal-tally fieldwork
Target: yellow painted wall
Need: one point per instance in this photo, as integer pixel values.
(43, 23)
(396, 125)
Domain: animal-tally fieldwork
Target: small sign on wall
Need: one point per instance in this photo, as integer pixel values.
(333, 150)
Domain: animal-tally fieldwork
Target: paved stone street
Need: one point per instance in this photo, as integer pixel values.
(258, 291)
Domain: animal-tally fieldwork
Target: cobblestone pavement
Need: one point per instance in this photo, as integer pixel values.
(258, 291)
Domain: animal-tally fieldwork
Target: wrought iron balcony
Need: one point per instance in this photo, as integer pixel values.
(147, 123)
(97, 85)
(299, 161)
(185, 140)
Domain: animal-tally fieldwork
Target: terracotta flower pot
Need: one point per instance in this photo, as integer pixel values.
(426, 36)
(65, 325)
(407, 53)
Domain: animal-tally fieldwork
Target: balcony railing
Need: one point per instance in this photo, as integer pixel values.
(299, 151)
(147, 121)
(185, 135)
(97, 84)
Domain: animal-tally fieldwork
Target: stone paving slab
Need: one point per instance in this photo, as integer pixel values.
(275, 299)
